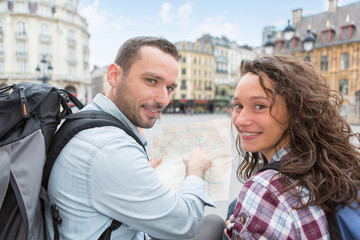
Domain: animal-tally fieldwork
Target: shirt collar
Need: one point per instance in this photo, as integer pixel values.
(280, 154)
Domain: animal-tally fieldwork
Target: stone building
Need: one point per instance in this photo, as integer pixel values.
(45, 41)
(196, 88)
(227, 55)
(335, 51)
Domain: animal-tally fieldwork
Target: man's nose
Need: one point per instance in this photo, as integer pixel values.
(162, 96)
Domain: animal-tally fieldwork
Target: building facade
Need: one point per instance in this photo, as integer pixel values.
(49, 33)
(335, 50)
(196, 89)
(227, 55)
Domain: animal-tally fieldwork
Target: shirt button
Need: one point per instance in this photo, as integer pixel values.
(242, 220)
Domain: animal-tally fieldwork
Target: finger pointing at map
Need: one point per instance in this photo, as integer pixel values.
(197, 162)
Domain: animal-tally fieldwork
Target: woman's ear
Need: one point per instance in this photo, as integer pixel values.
(114, 74)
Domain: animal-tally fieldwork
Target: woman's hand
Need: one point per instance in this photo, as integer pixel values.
(227, 223)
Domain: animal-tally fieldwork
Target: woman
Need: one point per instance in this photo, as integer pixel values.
(284, 111)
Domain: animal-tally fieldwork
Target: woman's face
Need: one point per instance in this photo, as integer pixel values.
(259, 129)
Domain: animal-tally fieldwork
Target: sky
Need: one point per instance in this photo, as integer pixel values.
(111, 22)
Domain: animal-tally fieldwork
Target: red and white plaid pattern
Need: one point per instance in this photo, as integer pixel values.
(265, 211)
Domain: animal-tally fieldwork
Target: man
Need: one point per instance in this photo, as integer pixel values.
(104, 174)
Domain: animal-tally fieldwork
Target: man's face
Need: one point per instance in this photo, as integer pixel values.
(145, 91)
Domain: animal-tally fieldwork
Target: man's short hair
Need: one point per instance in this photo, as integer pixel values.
(129, 51)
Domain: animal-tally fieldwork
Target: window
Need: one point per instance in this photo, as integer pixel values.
(2, 6)
(288, 45)
(324, 63)
(21, 64)
(44, 11)
(344, 86)
(71, 53)
(20, 7)
(71, 70)
(346, 32)
(32, 6)
(69, 3)
(183, 71)
(69, 17)
(44, 32)
(21, 29)
(326, 36)
(344, 61)
(71, 37)
(21, 48)
(1, 48)
(2, 67)
(183, 59)
(183, 84)
(45, 49)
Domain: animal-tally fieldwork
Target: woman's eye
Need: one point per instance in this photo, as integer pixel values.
(259, 107)
(238, 106)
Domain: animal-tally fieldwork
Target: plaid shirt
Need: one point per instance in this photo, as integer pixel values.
(263, 211)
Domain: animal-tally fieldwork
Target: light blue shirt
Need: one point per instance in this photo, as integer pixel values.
(103, 174)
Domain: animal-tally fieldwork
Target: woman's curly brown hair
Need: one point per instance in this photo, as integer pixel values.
(322, 157)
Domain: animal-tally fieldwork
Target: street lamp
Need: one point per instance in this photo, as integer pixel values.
(308, 43)
(289, 31)
(44, 70)
(269, 46)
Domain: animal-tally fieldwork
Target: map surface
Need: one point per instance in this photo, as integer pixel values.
(176, 141)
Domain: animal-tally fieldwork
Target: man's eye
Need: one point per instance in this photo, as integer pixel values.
(170, 89)
(150, 80)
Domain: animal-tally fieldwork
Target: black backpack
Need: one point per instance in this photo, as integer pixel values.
(30, 114)
(344, 224)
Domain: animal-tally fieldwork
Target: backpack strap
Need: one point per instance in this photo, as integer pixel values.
(106, 235)
(274, 166)
(334, 228)
(73, 124)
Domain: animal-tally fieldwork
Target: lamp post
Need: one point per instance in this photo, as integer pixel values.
(308, 44)
(44, 70)
(289, 31)
(269, 46)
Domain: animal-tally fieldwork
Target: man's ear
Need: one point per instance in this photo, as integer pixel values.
(114, 74)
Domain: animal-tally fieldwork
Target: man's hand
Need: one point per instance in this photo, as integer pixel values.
(197, 162)
(155, 162)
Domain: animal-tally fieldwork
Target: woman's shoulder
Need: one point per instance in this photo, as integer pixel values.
(263, 197)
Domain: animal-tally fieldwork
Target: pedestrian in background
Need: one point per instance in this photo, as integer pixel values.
(103, 174)
(285, 111)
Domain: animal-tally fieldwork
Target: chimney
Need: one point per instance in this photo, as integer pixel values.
(333, 4)
(297, 15)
